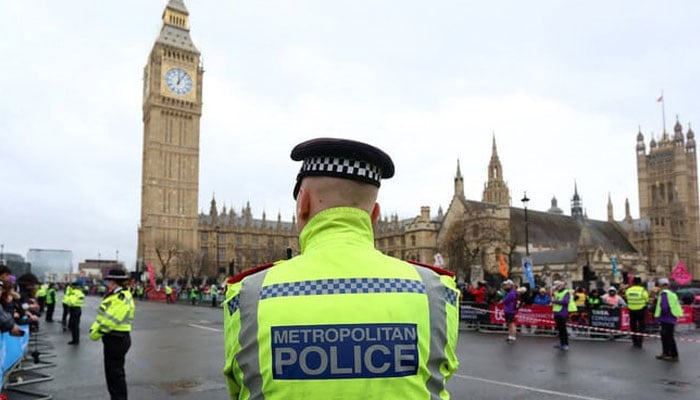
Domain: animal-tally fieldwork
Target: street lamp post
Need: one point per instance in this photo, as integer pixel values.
(525, 200)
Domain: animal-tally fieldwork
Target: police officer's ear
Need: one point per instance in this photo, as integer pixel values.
(376, 211)
(303, 206)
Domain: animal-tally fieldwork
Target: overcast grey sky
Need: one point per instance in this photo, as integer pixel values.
(564, 86)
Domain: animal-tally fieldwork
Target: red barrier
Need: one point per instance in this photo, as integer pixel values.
(541, 316)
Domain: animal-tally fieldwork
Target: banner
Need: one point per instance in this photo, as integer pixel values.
(533, 315)
(610, 318)
(613, 261)
(151, 276)
(680, 274)
(470, 315)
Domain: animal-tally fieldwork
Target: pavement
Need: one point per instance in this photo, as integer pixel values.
(177, 352)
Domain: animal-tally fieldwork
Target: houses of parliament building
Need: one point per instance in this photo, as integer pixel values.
(179, 241)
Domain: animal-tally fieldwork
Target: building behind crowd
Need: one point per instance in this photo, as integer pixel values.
(471, 235)
(97, 269)
(16, 263)
(46, 262)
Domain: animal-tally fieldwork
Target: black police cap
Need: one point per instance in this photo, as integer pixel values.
(117, 274)
(342, 158)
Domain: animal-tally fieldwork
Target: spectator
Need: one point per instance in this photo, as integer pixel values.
(542, 297)
(479, 293)
(594, 301)
(612, 299)
(580, 299)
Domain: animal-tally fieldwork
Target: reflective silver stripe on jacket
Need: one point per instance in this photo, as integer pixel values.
(249, 360)
(252, 292)
(438, 330)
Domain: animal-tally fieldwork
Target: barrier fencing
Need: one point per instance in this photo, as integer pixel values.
(601, 323)
(18, 366)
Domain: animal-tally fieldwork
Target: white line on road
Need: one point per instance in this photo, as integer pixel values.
(205, 328)
(533, 389)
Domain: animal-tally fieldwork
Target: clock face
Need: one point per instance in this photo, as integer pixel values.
(178, 81)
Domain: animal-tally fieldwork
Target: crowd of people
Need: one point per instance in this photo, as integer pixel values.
(570, 305)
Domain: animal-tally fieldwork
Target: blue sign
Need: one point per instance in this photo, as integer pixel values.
(346, 351)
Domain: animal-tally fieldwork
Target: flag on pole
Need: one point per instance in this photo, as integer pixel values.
(151, 276)
(680, 274)
(660, 99)
(502, 265)
(613, 261)
(528, 272)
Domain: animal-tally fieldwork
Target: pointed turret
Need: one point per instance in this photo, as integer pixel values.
(611, 217)
(554, 209)
(628, 215)
(213, 212)
(496, 190)
(459, 182)
(576, 204)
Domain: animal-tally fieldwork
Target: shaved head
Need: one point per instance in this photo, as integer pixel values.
(318, 193)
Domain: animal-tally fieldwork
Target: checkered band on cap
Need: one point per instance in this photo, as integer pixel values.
(342, 167)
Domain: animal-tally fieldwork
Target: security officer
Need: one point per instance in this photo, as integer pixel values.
(65, 303)
(75, 303)
(341, 318)
(168, 293)
(113, 324)
(50, 302)
(667, 312)
(562, 304)
(637, 299)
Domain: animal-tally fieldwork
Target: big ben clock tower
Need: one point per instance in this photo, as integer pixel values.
(172, 108)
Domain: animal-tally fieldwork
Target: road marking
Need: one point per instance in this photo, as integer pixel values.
(532, 389)
(205, 328)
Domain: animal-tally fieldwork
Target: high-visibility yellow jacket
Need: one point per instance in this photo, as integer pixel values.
(116, 313)
(637, 297)
(340, 321)
(51, 295)
(66, 296)
(75, 298)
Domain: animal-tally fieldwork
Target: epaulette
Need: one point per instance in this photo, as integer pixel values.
(437, 270)
(249, 271)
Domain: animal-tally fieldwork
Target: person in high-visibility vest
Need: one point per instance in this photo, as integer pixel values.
(562, 304)
(41, 297)
(637, 299)
(75, 303)
(65, 303)
(340, 320)
(168, 293)
(50, 301)
(667, 312)
(113, 326)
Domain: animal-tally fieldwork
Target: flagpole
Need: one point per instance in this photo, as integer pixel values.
(663, 111)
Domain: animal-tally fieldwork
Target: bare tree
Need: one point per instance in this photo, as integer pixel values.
(167, 252)
(192, 263)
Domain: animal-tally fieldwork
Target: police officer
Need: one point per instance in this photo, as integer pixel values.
(113, 324)
(341, 318)
(50, 301)
(75, 310)
(65, 304)
(637, 299)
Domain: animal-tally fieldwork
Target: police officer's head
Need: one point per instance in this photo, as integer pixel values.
(338, 173)
(116, 277)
